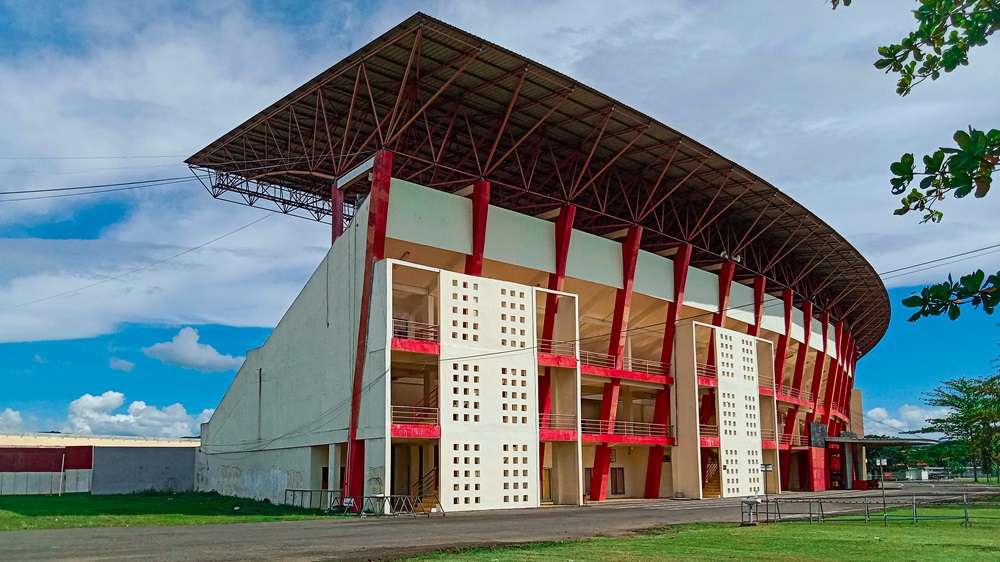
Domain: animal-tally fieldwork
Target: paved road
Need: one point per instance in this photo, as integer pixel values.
(372, 539)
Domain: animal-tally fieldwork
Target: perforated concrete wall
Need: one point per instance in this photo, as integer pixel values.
(489, 417)
(739, 414)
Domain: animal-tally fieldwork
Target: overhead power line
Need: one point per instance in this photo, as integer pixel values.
(939, 259)
(138, 269)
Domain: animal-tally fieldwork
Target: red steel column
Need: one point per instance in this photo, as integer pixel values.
(661, 410)
(480, 214)
(759, 284)
(821, 360)
(682, 259)
(336, 212)
(616, 348)
(602, 453)
(725, 284)
(719, 318)
(780, 358)
(564, 231)
(781, 352)
(378, 207)
(831, 375)
(798, 376)
(623, 300)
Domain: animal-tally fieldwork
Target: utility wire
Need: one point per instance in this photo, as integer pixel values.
(939, 259)
(136, 270)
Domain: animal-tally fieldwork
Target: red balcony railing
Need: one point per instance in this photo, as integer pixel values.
(646, 366)
(766, 381)
(707, 430)
(412, 330)
(414, 415)
(553, 347)
(557, 421)
(796, 393)
(705, 370)
(793, 440)
(622, 427)
(595, 359)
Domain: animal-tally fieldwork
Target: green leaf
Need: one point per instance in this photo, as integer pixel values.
(913, 301)
(963, 140)
(954, 311)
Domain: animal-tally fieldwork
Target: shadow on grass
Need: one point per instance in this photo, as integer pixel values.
(146, 503)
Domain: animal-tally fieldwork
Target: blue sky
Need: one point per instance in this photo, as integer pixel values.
(101, 92)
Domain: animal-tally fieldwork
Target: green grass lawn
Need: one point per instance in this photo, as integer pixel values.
(929, 541)
(193, 508)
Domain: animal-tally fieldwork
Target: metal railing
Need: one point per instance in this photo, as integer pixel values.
(414, 415)
(646, 366)
(594, 359)
(628, 428)
(554, 347)
(796, 393)
(911, 508)
(707, 430)
(767, 435)
(413, 330)
(793, 440)
(312, 499)
(706, 370)
(557, 421)
(766, 382)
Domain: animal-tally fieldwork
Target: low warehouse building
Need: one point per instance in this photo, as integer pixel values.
(56, 463)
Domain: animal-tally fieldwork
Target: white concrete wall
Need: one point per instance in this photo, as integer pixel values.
(295, 390)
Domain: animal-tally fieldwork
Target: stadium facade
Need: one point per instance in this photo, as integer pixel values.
(534, 294)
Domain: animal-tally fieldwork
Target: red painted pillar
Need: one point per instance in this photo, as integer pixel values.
(564, 231)
(725, 284)
(480, 214)
(759, 284)
(719, 318)
(781, 352)
(682, 259)
(602, 453)
(831, 375)
(798, 376)
(616, 348)
(623, 299)
(378, 208)
(821, 360)
(661, 410)
(336, 212)
(780, 358)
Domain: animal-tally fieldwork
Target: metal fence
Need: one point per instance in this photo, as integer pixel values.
(873, 509)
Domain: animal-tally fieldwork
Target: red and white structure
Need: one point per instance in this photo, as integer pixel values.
(534, 293)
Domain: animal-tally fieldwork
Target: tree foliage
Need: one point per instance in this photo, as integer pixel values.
(947, 297)
(946, 31)
(973, 417)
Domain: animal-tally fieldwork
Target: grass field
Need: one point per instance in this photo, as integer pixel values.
(930, 541)
(84, 510)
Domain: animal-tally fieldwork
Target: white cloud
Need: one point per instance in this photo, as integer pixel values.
(908, 418)
(97, 414)
(119, 364)
(785, 89)
(11, 420)
(185, 351)
(38, 359)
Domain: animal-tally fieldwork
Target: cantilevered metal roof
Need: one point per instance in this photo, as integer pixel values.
(454, 107)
